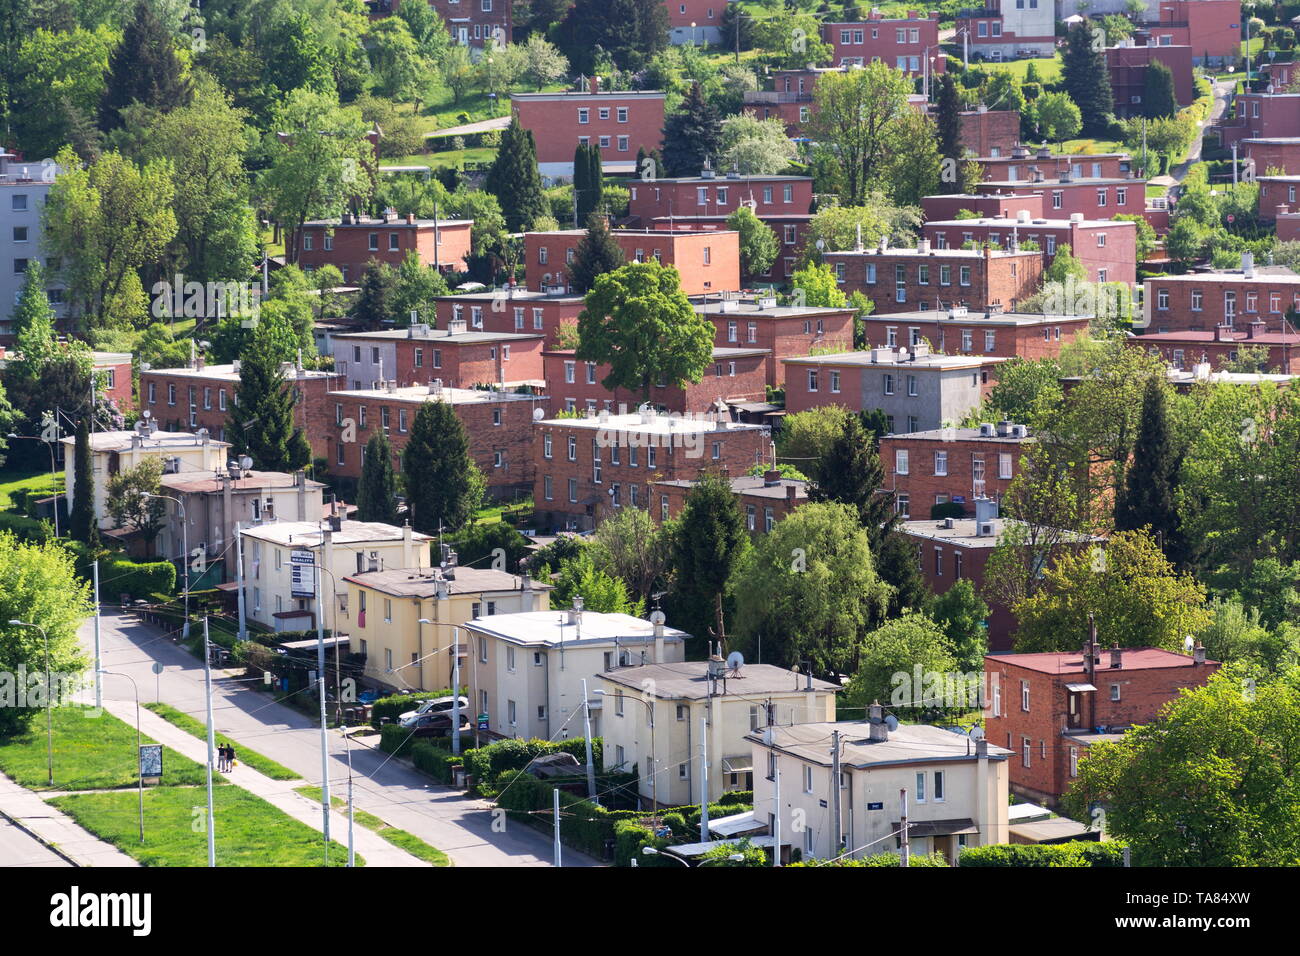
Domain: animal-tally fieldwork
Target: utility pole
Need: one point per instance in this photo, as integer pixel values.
(586, 721)
(835, 792)
(555, 810)
(455, 694)
(704, 780)
(776, 813)
(239, 578)
(905, 852)
(324, 734)
(99, 680)
(207, 684)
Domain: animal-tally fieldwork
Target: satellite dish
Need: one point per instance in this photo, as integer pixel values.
(821, 244)
(735, 661)
(976, 733)
(245, 462)
(538, 414)
(201, 433)
(658, 617)
(891, 722)
(1188, 644)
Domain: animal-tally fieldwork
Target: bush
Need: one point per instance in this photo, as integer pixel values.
(139, 580)
(487, 763)
(884, 859)
(397, 704)
(949, 509)
(1076, 853)
(395, 740)
(435, 759)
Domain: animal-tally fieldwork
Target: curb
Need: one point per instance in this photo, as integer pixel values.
(40, 839)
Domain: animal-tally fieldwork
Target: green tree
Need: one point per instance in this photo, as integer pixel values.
(808, 590)
(629, 32)
(543, 64)
(1024, 385)
(514, 179)
(395, 59)
(851, 473)
(438, 471)
(1210, 782)
(1158, 97)
(1085, 77)
(38, 583)
(692, 135)
(914, 167)
(377, 489)
(963, 616)
(1058, 117)
(262, 420)
(128, 506)
(1064, 267)
(819, 287)
(374, 303)
(806, 438)
(840, 227)
(1135, 595)
(632, 547)
(143, 69)
(596, 254)
(1146, 235)
(894, 651)
(477, 544)
(639, 322)
(856, 113)
(600, 592)
(588, 183)
(948, 121)
(759, 245)
(32, 318)
(1151, 489)
(457, 71)
(58, 77)
(416, 291)
(105, 222)
(709, 542)
(755, 147)
(81, 522)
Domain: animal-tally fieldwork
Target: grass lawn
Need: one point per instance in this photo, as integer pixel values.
(409, 842)
(90, 753)
(451, 157)
(1086, 146)
(196, 727)
(1049, 68)
(250, 831)
(41, 483)
(496, 513)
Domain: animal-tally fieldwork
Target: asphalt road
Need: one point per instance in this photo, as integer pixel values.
(460, 826)
(19, 849)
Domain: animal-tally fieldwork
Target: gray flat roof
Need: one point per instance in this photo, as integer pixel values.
(552, 628)
(910, 743)
(422, 582)
(687, 680)
(958, 434)
(963, 532)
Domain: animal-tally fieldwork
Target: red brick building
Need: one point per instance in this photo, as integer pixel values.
(695, 21)
(472, 22)
(1022, 165)
(916, 280)
(1001, 30)
(1047, 707)
(116, 380)
(903, 43)
(1202, 301)
(418, 355)
(1128, 65)
(791, 98)
(1261, 116)
(734, 375)
(943, 466)
(915, 389)
(1267, 157)
(763, 499)
(350, 243)
(1211, 28)
(986, 132)
(782, 331)
(201, 396)
(1105, 247)
(707, 262)
(512, 309)
(963, 332)
(986, 206)
(1090, 198)
(499, 426)
(1184, 350)
(790, 231)
(588, 468)
(620, 123)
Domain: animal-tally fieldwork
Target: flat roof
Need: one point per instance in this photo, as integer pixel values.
(752, 485)
(909, 743)
(1263, 274)
(390, 223)
(936, 253)
(724, 177)
(1010, 222)
(446, 393)
(423, 582)
(551, 628)
(565, 94)
(963, 531)
(442, 336)
(982, 316)
(750, 308)
(227, 373)
(930, 362)
(1210, 337)
(1131, 659)
(959, 434)
(1072, 181)
(1053, 829)
(254, 481)
(517, 292)
(307, 534)
(658, 424)
(121, 441)
(688, 680)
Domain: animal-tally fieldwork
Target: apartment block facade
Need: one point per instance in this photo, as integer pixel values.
(352, 242)
(924, 278)
(1107, 248)
(620, 123)
(705, 261)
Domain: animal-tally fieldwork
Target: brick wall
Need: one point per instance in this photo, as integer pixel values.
(1202, 303)
(555, 121)
(924, 488)
(504, 313)
(350, 245)
(705, 261)
(1089, 198)
(783, 337)
(731, 377)
(1106, 249)
(862, 42)
(986, 206)
(993, 278)
(990, 132)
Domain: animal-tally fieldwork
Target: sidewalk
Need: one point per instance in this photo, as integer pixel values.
(278, 793)
(56, 829)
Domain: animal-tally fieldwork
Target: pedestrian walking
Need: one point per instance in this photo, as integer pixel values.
(230, 756)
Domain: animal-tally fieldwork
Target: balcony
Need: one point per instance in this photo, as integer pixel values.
(770, 97)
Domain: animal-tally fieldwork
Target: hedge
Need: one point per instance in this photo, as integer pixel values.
(395, 705)
(434, 760)
(1076, 853)
(138, 579)
(883, 859)
(487, 763)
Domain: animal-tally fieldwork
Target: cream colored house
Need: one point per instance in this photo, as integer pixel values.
(280, 559)
(658, 715)
(385, 610)
(182, 452)
(214, 503)
(527, 669)
(956, 787)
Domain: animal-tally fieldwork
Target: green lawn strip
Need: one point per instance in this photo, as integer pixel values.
(91, 752)
(199, 729)
(409, 842)
(249, 831)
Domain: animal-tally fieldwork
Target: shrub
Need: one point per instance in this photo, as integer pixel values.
(883, 859)
(487, 763)
(397, 704)
(434, 759)
(1076, 853)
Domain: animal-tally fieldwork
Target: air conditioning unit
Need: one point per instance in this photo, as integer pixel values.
(986, 529)
(987, 430)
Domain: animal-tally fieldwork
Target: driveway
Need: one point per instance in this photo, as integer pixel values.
(461, 826)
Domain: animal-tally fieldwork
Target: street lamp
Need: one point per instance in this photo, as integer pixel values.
(139, 769)
(49, 701)
(652, 851)
(654, 763)
(15, 435)
(455, 683)
(185, 558)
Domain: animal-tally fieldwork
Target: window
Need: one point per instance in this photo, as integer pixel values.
(1101, 240)
(573, 491)
(19, 202)
(911, 386)
(584, 116)
(1114, 691)
(812, 380)
(603, 112)
(547, 488)
(940, 463)
(1162, 299)
(1074, 761)
(573, 448)
(622, 114)
(964, 275)
(1058, 198)
(1121, 196)
(938, 562)
(920, 787)
(510, 658)
(990, 341)
(938, 786)
(807, 779)
(511, 713)
(900, 461)
(1024, 697)
(1026, 750)
(835, 381)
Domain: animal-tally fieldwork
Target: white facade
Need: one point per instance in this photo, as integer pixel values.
(23, 189)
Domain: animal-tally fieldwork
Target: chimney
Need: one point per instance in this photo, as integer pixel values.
(410, 218)
(879, 729)
(1248, 265)
(594, 84)
(1223, 333)
(1255, 329)
(1282, 209)
(982, 749)
(1116, 657)
(771, 477)
(791, 493)
(300, 482)
(1198, 654)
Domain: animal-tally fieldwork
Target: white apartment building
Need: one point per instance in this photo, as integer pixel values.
(23, 188)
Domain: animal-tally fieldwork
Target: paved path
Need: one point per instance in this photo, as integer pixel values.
(459, 825)
(279, 793)
(18, 848)
(54, 827)
(482, 126)
(1222, 93)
